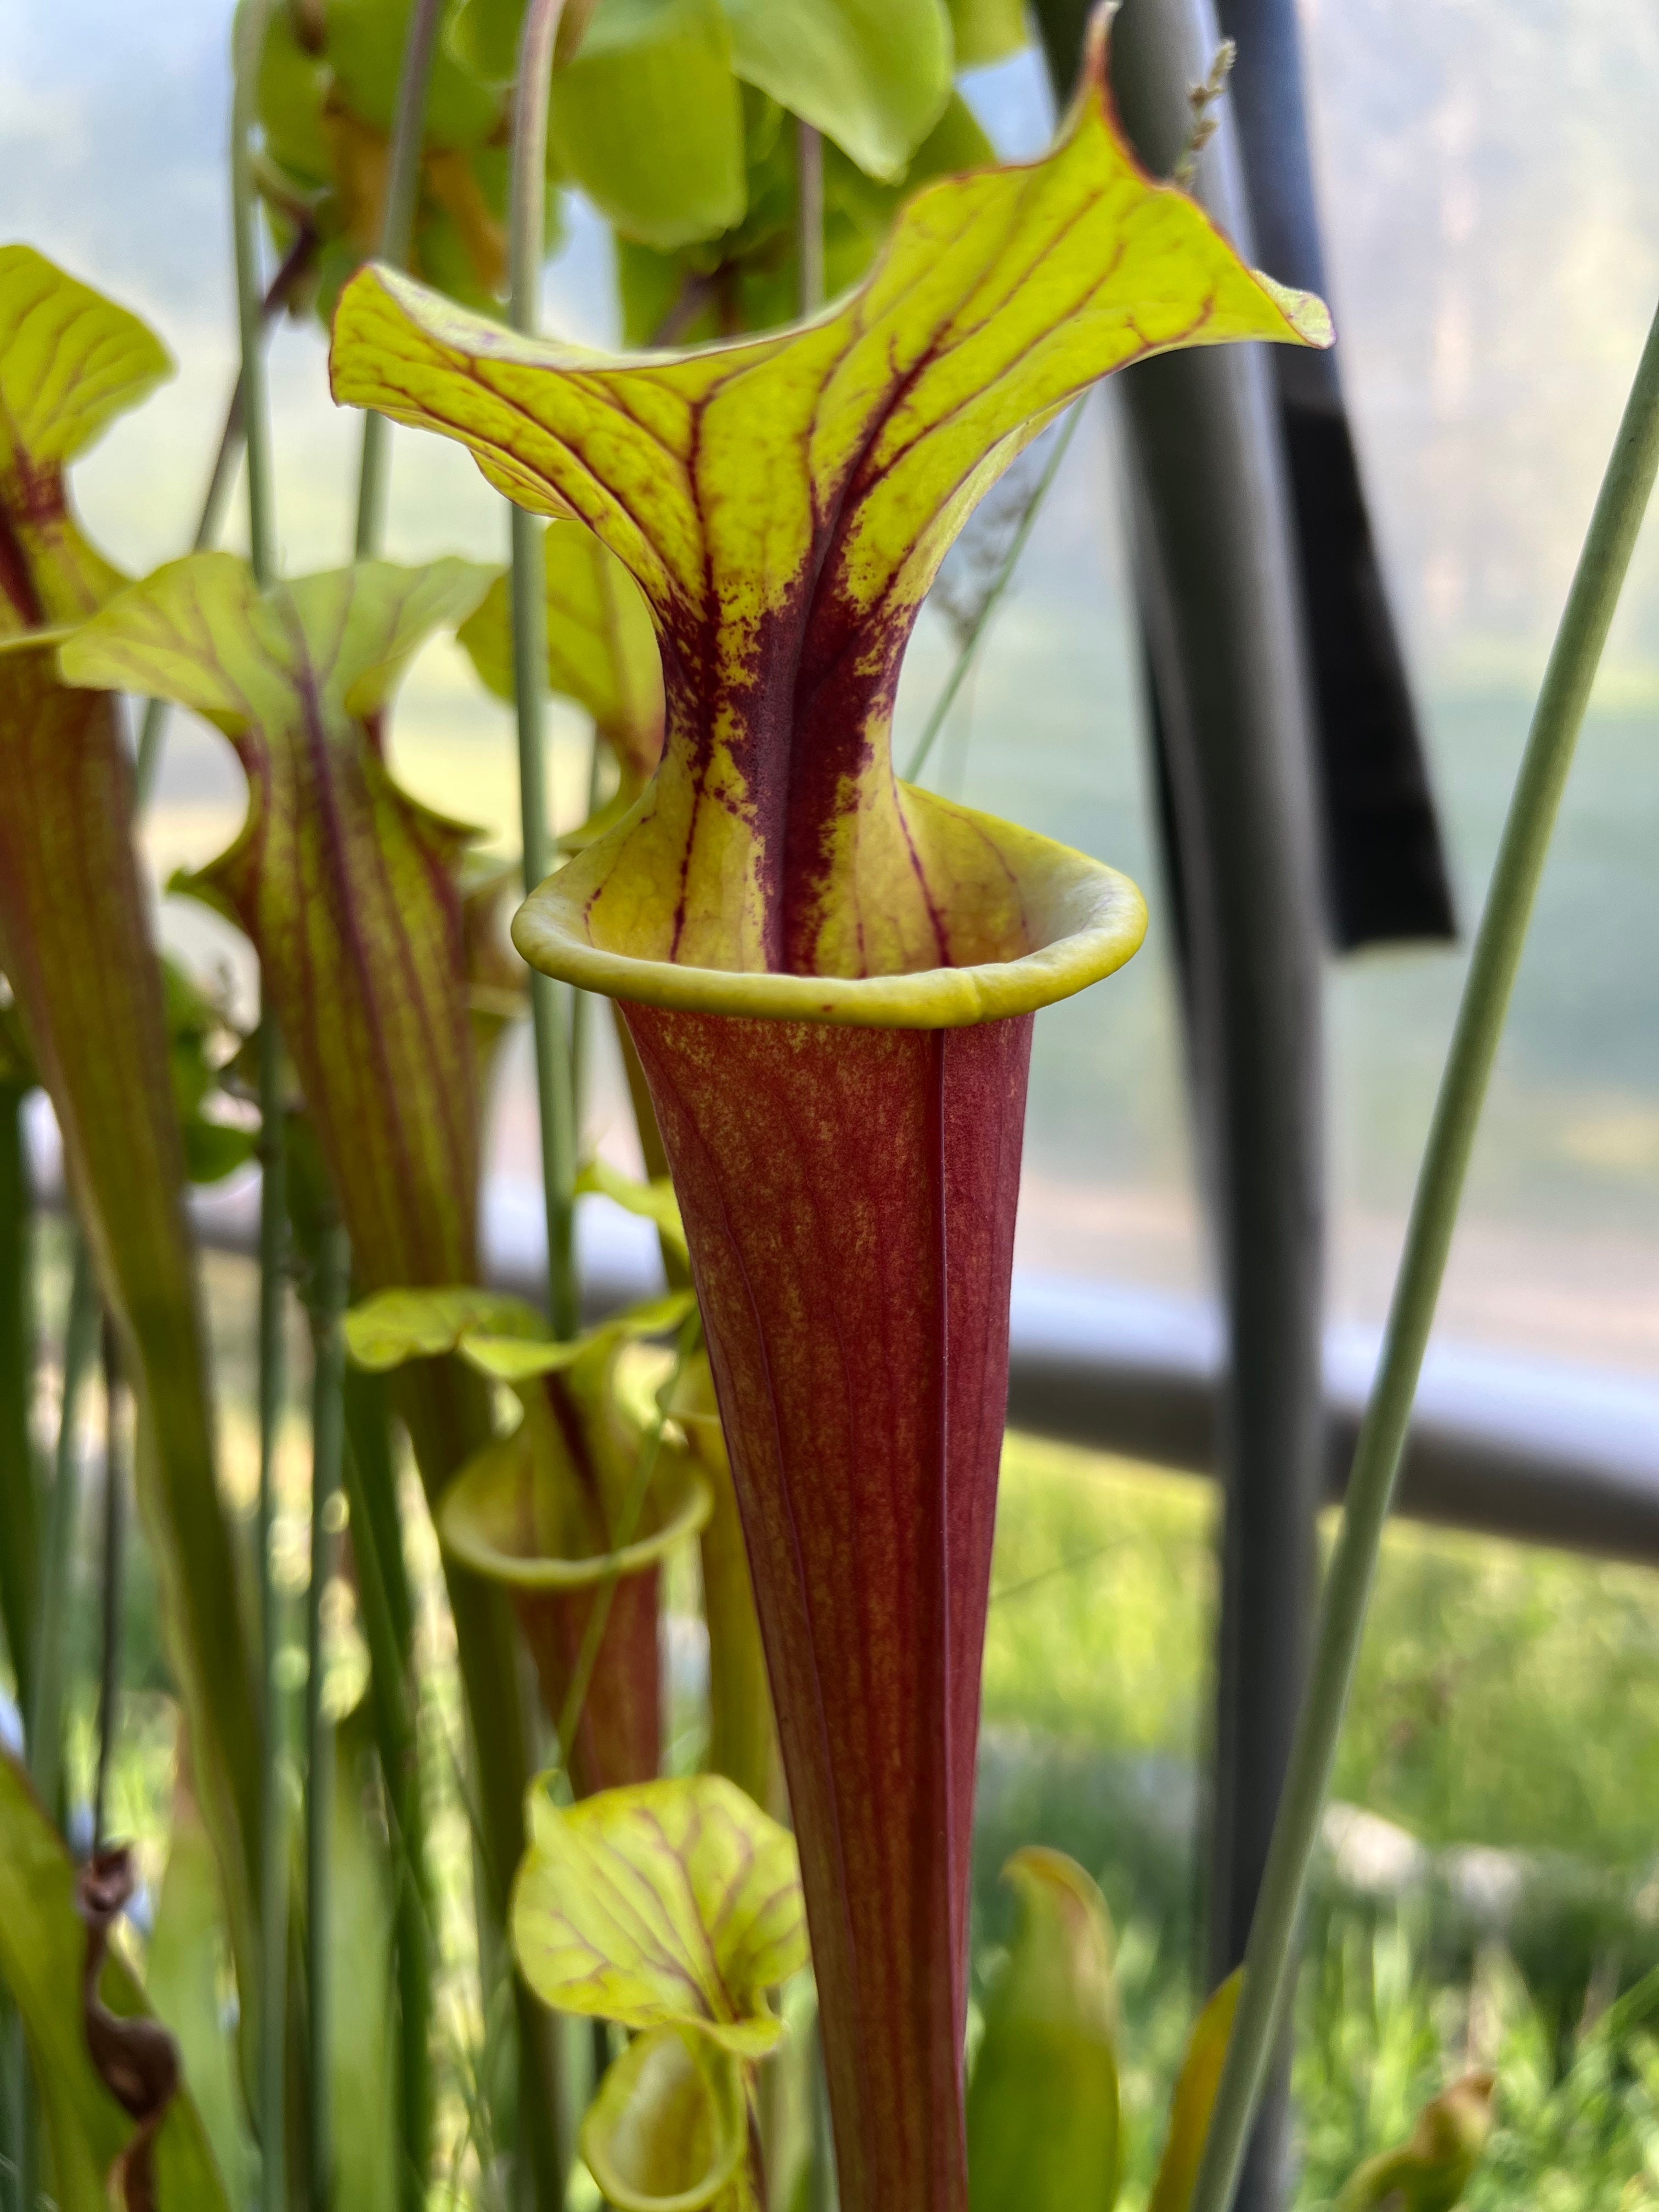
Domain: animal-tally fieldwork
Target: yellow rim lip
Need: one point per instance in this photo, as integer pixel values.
(548, 1576)
(1104, 914)
(724, 2086)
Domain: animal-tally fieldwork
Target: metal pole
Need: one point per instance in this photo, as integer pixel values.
(1217, 587)
(1386, 867)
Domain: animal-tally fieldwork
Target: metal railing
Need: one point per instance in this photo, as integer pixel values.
(1539, 1452)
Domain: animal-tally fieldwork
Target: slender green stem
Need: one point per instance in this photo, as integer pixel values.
(19, 1558)
(1268, 1979)
(372, 1480)
(822, 2195)
(387, 1620)
(970, 644)
(147, 766)
(19, 1536)
(582, 1002)
(540, 2116)
(809, 217)
(605, 1596)
(152, 728)
(377, 1532)
(526, 242)
(403, 194)
(555, 1106)
(210, 520)
(526, 237)
(759, 2190)
(46, 1719)
(221, 477)
(20, 1511)
(273, 1806)
(251, 18)
(328, 1293)
(114, 1570)
(13, 2109)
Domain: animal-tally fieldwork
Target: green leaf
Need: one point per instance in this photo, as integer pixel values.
(509, 1359)
(758, 285)
(1044, 2131)
(42, 1946)
(955, 145)
(784, 504)
(292, 99)
(1194, 2099)
(986, 30)
(76, 944)
(395, 1326)
(460, 225)
(671, 1903)
(669, 2128)
(648, 120)
(503, 1337)
(363, 41)
(872, 75)
(859, 211)
(18, 1073)
(20, 1502)
(368, 2155)
(653, 1202)
(485, 35)
(1429, 2172)
(601, 649)
(184, 1968)
(327, 95)
(135, 2058)
(69, 360)
(197, 1028)
(213, 1150)
(345, 884)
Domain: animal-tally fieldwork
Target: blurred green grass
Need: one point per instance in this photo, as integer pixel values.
(1507, 1701)
(1506, 1695)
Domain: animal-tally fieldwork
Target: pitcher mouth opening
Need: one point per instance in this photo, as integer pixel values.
(1082, 921)
(479, 1521)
